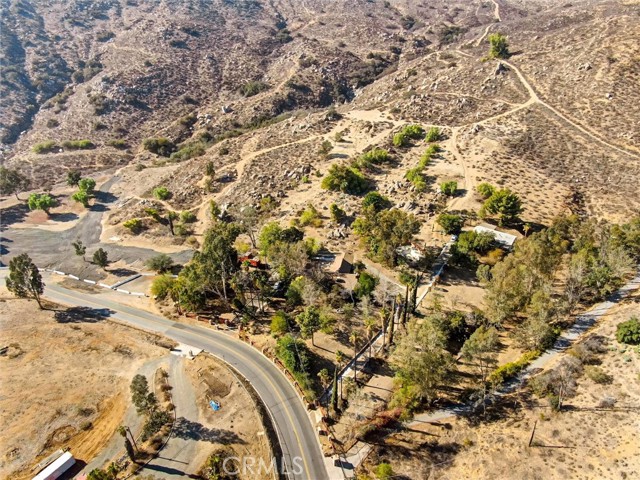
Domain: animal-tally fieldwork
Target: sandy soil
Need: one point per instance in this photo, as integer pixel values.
(214, 381)
(57, 377)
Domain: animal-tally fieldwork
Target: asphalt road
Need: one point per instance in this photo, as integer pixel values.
(300, 446)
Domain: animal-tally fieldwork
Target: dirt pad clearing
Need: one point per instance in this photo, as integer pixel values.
(65, 381)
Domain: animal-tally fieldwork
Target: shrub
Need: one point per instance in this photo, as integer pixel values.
(45, 147)
(428, 155)
(415, 176)
(337, 213)
(375, 156)
(511, 369)
(188, 217)
(53, 123)
(310, 216)
(433, 135)
(279, 323)
(160, 263)
(384, 471)
(161, 286)
(161, 193)
(598, 375)
(485, 190)
(629, 332)
(77, 144)
(450, 223)
(408, 133)
(449, 188)
(160, 146)
(134, 225)
(400, 140)
(117, 143)
(345, 179)
(376, 200)
(499, 46)
(188, 151)
(252, 88)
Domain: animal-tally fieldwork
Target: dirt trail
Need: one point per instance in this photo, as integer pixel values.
(585, 130)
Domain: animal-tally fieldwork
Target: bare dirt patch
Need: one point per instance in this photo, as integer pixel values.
(64, 382)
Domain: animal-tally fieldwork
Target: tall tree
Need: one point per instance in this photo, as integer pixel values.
(481, 351)
(354, 338)
(101, 258)
(218, 258)
(24, 278)
(309, 322)
(41, 201)
(421, 360)
(12, 182)
(79, 248)
(504, 203)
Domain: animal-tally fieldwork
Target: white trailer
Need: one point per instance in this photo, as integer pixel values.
(56, 468)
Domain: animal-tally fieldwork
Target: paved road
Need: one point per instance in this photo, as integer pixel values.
(299, 442)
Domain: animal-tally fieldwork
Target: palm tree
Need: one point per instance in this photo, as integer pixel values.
(353, 338)
(369, 324)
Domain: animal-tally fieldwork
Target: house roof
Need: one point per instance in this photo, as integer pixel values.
(500, 237)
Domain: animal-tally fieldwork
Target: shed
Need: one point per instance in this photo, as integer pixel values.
(342, 263)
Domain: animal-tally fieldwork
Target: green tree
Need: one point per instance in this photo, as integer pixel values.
(188, 290)
(218, 260)
(309, 322)
(98, 474)
(41, 201)
(12, 182)
(101, 258)
(24, 279)
(82, 197)
(279, 323)
(499, 48)
(421, 362)
(383, 232)
(87, 185)
(367, 283)
(160, 263)
(505, 204)
(481, 350)
(342, 178)
(450, 223)
(79, 248)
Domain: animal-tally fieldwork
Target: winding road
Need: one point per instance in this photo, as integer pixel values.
(303, 458)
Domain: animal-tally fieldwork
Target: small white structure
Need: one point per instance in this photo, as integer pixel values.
(505, 239)
(56, 468)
